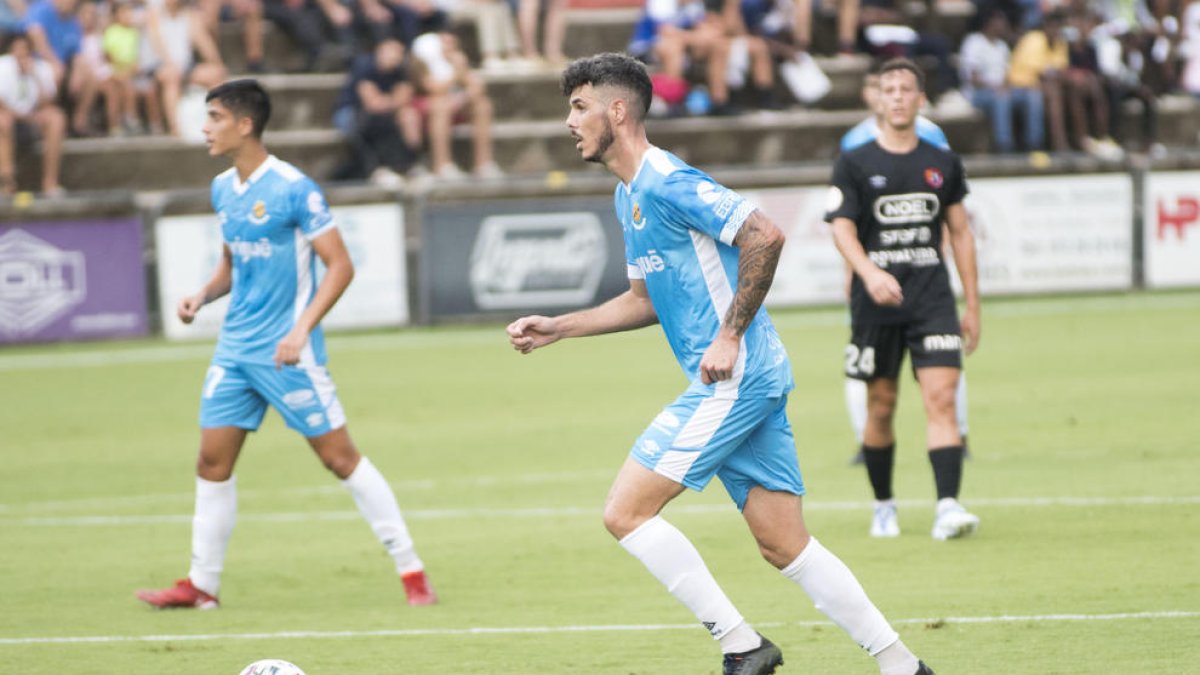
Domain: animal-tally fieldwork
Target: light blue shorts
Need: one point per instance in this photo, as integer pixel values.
(744, 442)
(237, 395)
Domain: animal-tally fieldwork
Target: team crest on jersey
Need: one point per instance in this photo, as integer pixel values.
(638, 223)
(258, 214)
(934, 178)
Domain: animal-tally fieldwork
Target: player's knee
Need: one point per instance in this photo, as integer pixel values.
(940, 401)
(340, 464)
(620, 521)
(212, 467)
(781, 554)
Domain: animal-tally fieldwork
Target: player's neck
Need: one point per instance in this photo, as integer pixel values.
(626, 158)
(898, 140)
(248, 158)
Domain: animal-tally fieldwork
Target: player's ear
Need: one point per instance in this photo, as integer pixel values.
(618, 110)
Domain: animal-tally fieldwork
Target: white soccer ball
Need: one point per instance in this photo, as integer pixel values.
(272, 667)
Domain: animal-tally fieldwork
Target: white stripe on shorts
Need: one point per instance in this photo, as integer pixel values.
(327, 393)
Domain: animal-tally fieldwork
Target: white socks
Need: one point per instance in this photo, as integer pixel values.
(674, 561)
(377, 504)
(960, 402)
(212, 525)
(836, 592)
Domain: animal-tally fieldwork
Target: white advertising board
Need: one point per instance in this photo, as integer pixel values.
(189, 247)
(810, 268)
(1171, 229)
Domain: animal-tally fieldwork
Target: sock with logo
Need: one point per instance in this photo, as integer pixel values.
(879, 463)
(856, 405)
(377, 504)
(675, 562)
(947, 470)
(838, 595)
(212, 525)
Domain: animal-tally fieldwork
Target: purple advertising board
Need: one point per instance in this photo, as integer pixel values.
(71, 280)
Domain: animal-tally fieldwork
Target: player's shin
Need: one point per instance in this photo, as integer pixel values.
(675, 562)
(377, 504)
(836, 592)
(212, 525)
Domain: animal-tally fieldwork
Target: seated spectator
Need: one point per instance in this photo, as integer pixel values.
(248, 14)
(554, 30)
(449, 92)
(121, 42)
(499, 45)
(1085, 91)
(403, 19)
(375, 112)
(1040, 59)
(56, 36)
(174, 34)
(795, 17)
(983, 62)
(762, 35)
(1189, 49)
(91, 52)
(1121, 63)
(310, 24)
(886, 34)
(670, 34)
(27, 93)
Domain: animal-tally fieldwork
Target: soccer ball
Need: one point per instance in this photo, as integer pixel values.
(272, 667)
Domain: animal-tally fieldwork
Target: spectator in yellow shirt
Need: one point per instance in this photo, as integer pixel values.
(1039, 60)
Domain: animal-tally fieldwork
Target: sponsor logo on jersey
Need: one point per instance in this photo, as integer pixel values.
(925, 256)
(942, 343)
(906, 236)
(39, 282)
(258, 214)
(708, 192)
(650, 263)
(316, 203)
(833, 199)
(878, 182)
(724, 207)
(300, 398)
(250, 249)
(934, 178)
(912, 207)
(538, 260)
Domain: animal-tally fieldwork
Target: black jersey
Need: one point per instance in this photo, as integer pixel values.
(898, 203)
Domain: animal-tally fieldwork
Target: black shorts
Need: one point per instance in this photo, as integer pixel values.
(877, 350)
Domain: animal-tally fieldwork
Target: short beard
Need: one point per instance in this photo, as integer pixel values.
(602, 144)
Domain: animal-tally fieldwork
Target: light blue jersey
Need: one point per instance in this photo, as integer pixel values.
(679, 227)
(868, 130)
(268, 223)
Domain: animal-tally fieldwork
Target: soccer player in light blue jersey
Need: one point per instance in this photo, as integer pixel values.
(860, 134)
(271, 351)
(700, 259)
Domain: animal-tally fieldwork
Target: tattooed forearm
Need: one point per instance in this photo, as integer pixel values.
(759, 243)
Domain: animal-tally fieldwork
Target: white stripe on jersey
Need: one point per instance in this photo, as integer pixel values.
(721, 295)
(703, 424)
(303, 284)
(327, 394)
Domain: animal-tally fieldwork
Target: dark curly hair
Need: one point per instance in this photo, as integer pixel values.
(244, 98)
(611, 69)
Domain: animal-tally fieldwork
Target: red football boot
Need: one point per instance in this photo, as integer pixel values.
(416, 585)
(182, 594)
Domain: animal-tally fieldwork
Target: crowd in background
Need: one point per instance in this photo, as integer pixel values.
(1049, 74)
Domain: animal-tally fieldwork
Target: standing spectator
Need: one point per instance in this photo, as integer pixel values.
(983, 61)
(122, 39)
(174, 34)
(27, 92)
(1040, 59)
(56, 36)
(554, 29)
(450, 92)
(376, 113)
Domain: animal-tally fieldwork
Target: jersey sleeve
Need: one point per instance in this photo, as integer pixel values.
(958, 183)
(843, 200)
(309, 209)
(695, 201)
(632, 270)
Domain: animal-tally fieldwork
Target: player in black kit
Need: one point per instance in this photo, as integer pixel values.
(887, 204)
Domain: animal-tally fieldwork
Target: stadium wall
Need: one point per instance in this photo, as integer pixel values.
(115, 265)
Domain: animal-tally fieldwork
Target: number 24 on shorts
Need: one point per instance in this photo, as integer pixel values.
(860, 362)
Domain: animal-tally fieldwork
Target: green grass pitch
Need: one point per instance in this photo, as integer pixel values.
(1085, 430)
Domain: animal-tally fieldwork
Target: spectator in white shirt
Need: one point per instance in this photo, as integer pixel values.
(27, 90)
(983, 63)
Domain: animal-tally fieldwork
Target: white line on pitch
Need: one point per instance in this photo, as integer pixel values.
(544, 630)
(569, 511)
